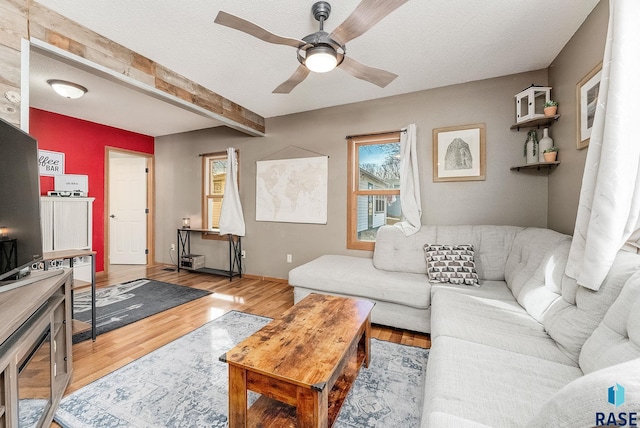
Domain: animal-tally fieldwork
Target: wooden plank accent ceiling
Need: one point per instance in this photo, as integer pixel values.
(29, 20)
(13, 28)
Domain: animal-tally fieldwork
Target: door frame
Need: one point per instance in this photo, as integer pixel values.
(150, 203)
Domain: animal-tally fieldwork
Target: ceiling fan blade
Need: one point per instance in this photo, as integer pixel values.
(298, 76)
(248, 27)
(373, 75)
(367, 14)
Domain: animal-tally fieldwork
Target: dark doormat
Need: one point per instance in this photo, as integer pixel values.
(122, 304)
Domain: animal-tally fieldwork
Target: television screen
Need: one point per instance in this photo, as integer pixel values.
(20, 229)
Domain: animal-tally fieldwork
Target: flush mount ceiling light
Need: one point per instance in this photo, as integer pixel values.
(67, 89)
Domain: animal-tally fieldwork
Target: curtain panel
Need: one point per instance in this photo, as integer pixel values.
(409, 183)
(608, 217)
(231, 216)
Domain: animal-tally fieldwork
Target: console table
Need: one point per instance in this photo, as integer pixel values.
(70, 255)
(186, 259)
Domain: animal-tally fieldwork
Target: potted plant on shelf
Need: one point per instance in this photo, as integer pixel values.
(550, 108)
(550, 154)
(531, 147)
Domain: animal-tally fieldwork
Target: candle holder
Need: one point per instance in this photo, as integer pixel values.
(186, 223)
(4, 232)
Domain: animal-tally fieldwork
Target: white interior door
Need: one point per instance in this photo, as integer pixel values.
(127, 209)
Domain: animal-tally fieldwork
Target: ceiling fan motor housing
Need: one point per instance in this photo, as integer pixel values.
(321, 11)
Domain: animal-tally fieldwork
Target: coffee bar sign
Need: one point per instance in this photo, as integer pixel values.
(50, 163)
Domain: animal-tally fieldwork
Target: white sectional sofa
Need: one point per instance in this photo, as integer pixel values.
(527, 347)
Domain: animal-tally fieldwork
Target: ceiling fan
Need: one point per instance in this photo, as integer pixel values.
(321, 51)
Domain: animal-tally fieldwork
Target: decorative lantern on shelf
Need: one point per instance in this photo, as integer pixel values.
(530, 102)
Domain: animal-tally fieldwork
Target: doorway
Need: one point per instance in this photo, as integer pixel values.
(128, 208)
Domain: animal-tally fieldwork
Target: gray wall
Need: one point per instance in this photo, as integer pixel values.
(505, 197)
(578, 57)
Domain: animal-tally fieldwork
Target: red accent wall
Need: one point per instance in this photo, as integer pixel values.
(83, 144)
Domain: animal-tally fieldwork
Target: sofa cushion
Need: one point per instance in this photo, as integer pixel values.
(447, 420)
(451, 264)
(487, 289)
(398, 253)
(395, 252)
(492, 246)
(356, 276)
(501, 324)
(481, 384)
(573, 317)
(617, 338)
(577, 404)
(530, 247)
(545, 284)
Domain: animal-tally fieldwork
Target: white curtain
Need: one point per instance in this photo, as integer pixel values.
(609, 210)
(409, 183)
(231, 217)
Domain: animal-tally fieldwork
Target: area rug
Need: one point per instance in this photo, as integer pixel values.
(122, 304)
(183, 384)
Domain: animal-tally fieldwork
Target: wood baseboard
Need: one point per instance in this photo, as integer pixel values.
(265, 278)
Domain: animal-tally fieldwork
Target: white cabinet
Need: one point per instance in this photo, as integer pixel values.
(67, 225)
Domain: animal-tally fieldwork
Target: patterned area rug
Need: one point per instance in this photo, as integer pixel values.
(122, 304)
(183, 384)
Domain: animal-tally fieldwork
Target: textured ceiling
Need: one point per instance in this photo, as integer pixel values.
(427, 43)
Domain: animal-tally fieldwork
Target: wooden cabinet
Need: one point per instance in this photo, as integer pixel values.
(35, 350)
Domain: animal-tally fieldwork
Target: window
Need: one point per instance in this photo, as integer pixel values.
(214, 173)
(374, 187)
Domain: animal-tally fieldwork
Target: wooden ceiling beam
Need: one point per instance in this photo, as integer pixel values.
(63, 33)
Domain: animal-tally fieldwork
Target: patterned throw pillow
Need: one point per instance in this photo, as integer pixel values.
(451, 263)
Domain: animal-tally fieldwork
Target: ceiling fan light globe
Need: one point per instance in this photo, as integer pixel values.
(67, 89)
(321, 59)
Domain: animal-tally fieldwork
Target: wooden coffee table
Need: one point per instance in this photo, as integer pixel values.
(303, 363)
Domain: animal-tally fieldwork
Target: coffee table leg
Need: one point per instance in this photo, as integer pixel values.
(237, 397)
(367, 341)
(312, 408)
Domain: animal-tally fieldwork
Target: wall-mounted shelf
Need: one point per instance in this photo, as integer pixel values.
(540, 122)
(538, 166)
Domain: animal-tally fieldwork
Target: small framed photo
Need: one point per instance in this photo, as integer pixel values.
(459, 153)
(587, 91)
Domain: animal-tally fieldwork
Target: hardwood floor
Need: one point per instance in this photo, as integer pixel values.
(112, 350)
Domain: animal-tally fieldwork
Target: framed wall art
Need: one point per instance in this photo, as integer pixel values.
(50, 163)
(459, 153)
(587, 91)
